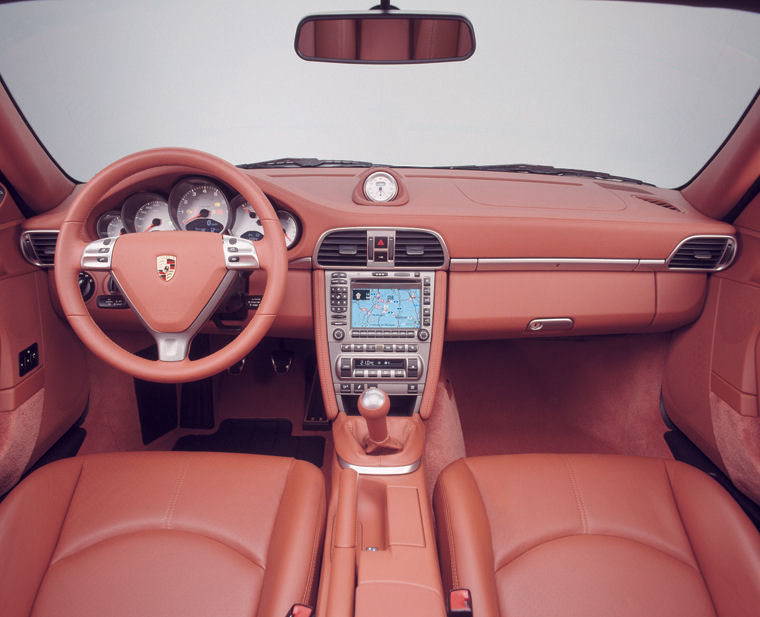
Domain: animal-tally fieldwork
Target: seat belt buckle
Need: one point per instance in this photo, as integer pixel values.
(459, 603)
(300, 610)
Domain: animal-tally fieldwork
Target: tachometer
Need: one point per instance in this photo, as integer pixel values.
(200, 205)
(247, 224)
(147, 212)
(110, 224)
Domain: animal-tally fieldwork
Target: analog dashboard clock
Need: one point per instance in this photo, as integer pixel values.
(380, 187)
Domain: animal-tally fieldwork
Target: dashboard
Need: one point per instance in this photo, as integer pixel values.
(193, 203)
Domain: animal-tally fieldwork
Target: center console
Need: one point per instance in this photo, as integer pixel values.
(379, 329)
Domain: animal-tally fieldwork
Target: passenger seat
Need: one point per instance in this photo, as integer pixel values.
(594, 535)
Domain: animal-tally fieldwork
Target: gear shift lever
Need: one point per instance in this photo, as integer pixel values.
(374, 405)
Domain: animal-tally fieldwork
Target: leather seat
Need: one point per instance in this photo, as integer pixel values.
(162, 533)
(588, 535)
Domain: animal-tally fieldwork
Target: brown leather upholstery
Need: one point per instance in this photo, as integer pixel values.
(587, 535)
(162, 533)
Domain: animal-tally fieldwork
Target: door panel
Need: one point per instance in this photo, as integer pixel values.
(38, 407)
(713, 369)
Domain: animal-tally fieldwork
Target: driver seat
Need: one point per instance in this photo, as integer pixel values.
(162, 533)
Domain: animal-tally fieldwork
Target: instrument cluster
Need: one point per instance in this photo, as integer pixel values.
(193, 204)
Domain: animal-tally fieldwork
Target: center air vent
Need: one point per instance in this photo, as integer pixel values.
(343, 248)
(418, 249)
(707, 253)
(38, 247)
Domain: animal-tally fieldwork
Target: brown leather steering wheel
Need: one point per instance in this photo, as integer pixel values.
(172, 280)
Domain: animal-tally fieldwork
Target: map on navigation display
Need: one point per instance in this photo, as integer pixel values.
(385, 308)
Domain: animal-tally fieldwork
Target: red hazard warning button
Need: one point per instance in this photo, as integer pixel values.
(381, 242)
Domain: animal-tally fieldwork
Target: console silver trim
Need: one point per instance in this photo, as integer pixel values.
(366, 470)
(302, 263)
(318, 245)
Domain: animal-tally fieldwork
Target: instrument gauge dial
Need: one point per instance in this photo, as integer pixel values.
(247, 224)
(146, 212)
(110, 224)
(201, 206)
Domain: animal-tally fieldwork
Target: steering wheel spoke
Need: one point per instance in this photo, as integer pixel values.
(97, 255)
(240, 254)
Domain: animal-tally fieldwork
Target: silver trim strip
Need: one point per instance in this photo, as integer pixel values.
(463, 265)
(380, 471)
(548, 263)
(373, 266)
(32, 259)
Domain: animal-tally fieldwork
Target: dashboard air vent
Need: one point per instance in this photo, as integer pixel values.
(39, 247)
(658, 202)
(703, 253)
(418, 249)
(347, 247)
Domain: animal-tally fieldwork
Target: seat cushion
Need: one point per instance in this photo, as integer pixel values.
(162, 533)
(588, 535)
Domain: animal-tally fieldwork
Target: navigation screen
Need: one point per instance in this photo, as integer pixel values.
(385, 307)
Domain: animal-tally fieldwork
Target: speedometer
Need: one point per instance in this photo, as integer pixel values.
(200, 205)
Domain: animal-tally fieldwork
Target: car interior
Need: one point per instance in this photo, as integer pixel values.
(322, 386)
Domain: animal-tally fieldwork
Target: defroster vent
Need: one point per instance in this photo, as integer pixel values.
(707, 253)
(346, 247)
(39, 247)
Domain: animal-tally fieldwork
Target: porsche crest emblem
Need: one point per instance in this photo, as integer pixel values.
(166, 265)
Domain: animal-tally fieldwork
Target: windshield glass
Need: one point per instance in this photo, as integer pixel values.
(633, 89)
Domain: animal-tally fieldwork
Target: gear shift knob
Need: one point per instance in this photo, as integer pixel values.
(374, 405)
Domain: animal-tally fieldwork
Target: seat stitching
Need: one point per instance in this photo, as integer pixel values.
(576, 491)
(688, 538)
(314, 552)
(153, 529)
(58, 539)
(596, 535)
(172, 504)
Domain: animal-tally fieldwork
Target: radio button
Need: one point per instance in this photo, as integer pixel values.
(370, 348)
(371, 374)
(345, 367)
(358, 387)
(338, 334)
(358, 347)
(411, 348)
(423, 335)
(385, 374)
(399, 374)
(412, 367)
(345, 388)
(412, 388)
(401, 348)
(387, 348)
(358, 374)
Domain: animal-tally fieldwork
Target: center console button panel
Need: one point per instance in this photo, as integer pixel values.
(379, 327)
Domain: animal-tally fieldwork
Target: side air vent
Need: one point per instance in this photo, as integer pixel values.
(658, 202)
(418, 249)
(38, 247)
(707, 253)
(343, 248)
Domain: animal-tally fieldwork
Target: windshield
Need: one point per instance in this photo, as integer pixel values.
(633, 89)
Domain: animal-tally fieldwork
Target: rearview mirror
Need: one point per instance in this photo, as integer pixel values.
(385, 38)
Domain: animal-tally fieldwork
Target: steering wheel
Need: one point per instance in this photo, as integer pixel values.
(172, 280)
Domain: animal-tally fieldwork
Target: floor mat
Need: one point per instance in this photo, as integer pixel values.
(599, 395)
(272, 437)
